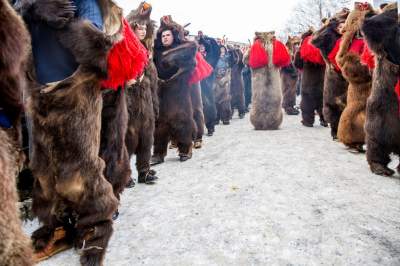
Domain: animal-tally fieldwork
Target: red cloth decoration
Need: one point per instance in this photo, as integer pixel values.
(126, 60)
(258, 56)
(397, 91)
(368, 58)
(202, 70)
(333, 53)
(310, 53)
(357, 46)
(281, 57)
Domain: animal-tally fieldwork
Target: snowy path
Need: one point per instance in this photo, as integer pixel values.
(287, 197)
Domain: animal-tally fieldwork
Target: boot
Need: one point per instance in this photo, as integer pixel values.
(241, 115)
(156, 159)
(226, 122)
(292, 111)
(130, 184)
(184, 157)
(147, 178)
(56, 244)
(197, 144)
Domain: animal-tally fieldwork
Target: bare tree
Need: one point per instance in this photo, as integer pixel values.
(309, 13)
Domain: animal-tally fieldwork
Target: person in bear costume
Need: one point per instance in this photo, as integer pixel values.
(351, 125)
(327, 40)
(382, 126)
(309, 61)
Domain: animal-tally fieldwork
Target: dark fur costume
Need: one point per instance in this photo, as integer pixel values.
(221, 88)
(312, 83)
(198, 115)
(246, 74)
(175, 66)
(335, 86)
(70, 188)
(351, 125)
(382, 126)
(113, 150)
(289, 78)
(207, 94)
(142, 99)
(237, 86)
(15, 249)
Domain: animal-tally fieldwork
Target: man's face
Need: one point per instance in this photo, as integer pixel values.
(140, 31)
(167, 38)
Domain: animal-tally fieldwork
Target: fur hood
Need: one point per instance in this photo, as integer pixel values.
(141, 16)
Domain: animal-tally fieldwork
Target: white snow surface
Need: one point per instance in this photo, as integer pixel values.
(286, 197)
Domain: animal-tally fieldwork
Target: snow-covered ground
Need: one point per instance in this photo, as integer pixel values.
(286, 197)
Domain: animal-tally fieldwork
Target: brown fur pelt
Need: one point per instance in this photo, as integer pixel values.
(66, 116)
(198, 115)
(142, 98)
(113, 150)
(335, 86)
(175, 121)
(351, 125)
(266, 111)
(237, 86)
(289, 77)
(141, 125)
(15, 249)
(312, 84)
(222, 95)
(382, 120)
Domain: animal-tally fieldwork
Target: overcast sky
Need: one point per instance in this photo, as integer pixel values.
(238, 20)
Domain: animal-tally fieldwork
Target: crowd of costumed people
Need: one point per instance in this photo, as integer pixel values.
(84, 90)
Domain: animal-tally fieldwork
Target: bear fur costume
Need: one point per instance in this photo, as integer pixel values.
(175, 67)
(335, 86)
(142, 98)
(209, 108)
(266, 112)
(351, 125)
(312, 84)
(289, 78)
(237, 86)
(71, 194)
(221, 88)
(382, 127)
(15, 247)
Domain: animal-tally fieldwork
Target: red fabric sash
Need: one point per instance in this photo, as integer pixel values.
(259, 57)
(310, 53)
(397, 91)
(368, 58)
(281, 57)
(202, 70)
(333, 53)
(126, 60)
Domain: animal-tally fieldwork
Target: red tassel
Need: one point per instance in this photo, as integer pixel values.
(126, 60)
(333, 53)
(310, 53)
(202, 70)
(258, 56)
(281, 57)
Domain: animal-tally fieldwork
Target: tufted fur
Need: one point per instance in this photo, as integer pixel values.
(382, 120)
(175, 121)
(351, 124)
(66, 116)
(237, 86)
(312, 82)
(222, 94)
(335, 86)
(14, 45)
(266, 111)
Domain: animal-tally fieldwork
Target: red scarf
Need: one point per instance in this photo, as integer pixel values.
(202, 70)
(259, 57)
(126, 60)
(310, 53)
